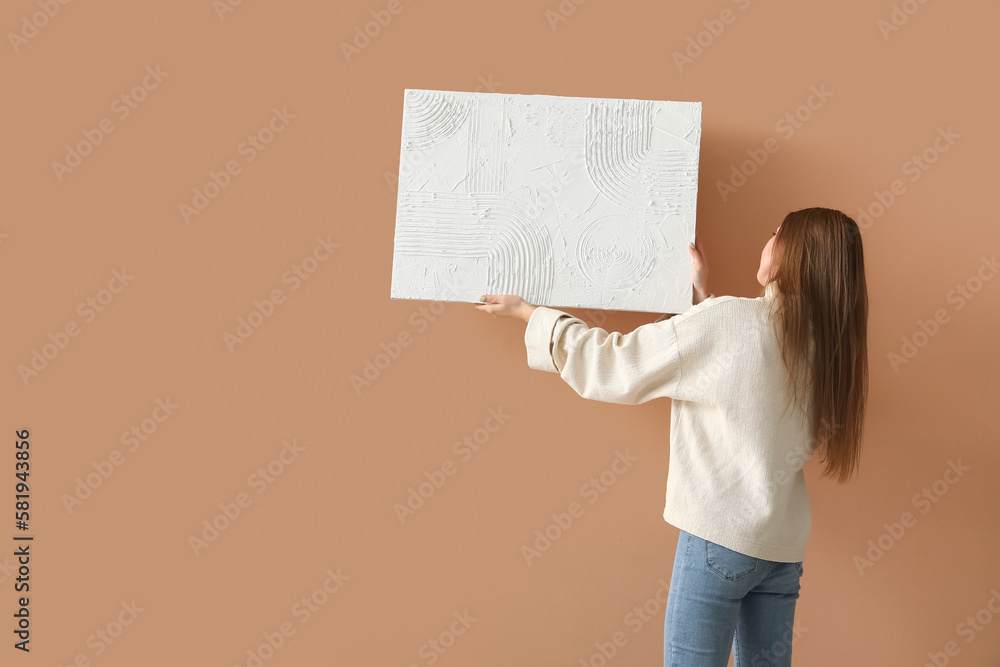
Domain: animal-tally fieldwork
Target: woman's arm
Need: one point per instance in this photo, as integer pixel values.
(605, 366)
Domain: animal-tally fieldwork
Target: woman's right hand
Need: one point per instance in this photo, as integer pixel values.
(699, 276)
(699, 271)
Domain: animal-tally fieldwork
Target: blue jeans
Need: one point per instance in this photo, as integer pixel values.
(720, 598)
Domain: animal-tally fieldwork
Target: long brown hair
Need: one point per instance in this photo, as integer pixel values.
(818, 269)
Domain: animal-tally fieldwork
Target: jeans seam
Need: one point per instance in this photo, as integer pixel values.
(724, 577)
(687, 550)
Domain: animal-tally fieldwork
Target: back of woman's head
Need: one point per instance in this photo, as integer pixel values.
(822, 308)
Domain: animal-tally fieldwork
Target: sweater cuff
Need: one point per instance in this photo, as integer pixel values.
(538, 338)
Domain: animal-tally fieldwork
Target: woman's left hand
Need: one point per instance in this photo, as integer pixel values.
(506, 305)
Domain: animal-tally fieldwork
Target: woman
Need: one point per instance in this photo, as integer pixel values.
(757, 386)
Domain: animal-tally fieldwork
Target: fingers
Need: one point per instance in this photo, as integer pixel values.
(698, 253)
(489, 304)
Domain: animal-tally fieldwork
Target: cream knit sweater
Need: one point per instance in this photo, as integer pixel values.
(736, 454)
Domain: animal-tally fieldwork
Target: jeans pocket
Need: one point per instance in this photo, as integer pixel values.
(728, 564)
(798, 566)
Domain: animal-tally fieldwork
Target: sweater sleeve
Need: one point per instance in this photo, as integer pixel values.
(612, 367)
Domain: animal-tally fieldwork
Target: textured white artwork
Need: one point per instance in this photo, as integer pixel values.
(564, 201)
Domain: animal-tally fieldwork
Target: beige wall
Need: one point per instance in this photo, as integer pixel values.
(325, 514)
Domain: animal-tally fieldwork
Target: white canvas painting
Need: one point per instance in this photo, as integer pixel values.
(564, 201)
